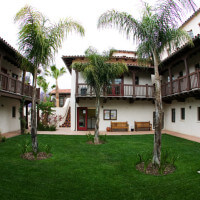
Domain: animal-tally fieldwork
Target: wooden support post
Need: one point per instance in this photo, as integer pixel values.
(26, 116)
(38, 115)
(133, 81)
(187, 74)
(147, 93)
(179, 85)
(198, 79)
(170, 79)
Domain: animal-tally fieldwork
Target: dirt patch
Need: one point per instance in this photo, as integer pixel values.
(154, 170)
(40, 156)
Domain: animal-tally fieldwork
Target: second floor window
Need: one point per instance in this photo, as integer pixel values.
(190, 33)
(136, 80)
(197, 66)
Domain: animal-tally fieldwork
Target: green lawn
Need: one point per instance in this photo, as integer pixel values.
(79, 171)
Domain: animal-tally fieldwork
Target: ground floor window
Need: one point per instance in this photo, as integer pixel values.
(173, 114)
(182, 113)
(110, 114)
(13, 112)
(61, 101)
(198, 113)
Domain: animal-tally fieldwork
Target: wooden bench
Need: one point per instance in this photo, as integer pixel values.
(143, 126)
(119, 126)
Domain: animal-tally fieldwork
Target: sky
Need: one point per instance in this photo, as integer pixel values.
(86, 12)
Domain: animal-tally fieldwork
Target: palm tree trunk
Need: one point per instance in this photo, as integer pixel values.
(158, 117)
(57, 94)
(22, 120)
(33, 114)
(96, 134)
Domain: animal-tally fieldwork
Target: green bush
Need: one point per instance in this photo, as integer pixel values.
(103, 138)
(42, 127)
(2, 138)
(90, 137)
(25, 147)
(167, 158)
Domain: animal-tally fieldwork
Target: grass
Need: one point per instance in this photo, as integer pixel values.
(79, 171)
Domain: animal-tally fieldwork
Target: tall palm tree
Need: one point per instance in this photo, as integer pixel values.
(56, 73)
(41, 81)
(156, 30)
(39, 39)
(98, 73)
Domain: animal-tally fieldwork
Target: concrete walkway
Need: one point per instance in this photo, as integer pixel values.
(68, 131)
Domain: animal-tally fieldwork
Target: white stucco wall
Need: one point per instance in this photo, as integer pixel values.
(137, 111)
(188, 126)
(7, 122)
(11, 69)
(193, 25)
(73, 100)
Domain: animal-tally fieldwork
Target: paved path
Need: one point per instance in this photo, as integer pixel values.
(68, 131)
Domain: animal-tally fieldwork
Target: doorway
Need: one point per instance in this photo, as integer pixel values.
(82, 119)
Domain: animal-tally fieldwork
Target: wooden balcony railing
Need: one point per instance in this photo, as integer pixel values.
(182, 84)
(115, 90)
(9, 84)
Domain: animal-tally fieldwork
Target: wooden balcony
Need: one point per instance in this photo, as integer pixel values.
(185, 84)
(115, 90)
(13, 87)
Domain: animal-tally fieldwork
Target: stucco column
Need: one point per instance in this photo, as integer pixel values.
(76, 89)
(187, 73)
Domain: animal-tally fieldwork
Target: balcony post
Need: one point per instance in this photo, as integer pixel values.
(133, 81)
(0, 61)
(198, 83)
(187, 74)
(147, 86)
(170, 79)
(0, 70)
(179, 85)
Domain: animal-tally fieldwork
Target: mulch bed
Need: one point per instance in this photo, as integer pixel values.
(154, 170)
(40, 156)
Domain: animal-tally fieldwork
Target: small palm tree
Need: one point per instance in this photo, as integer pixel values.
(156, 30)
(98, 73)
(56, 73)
(39, 39)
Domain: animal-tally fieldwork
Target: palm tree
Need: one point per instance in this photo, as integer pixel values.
(98, 73)
(156, 30)
(39, 39)
(56, 73)
(41, 81)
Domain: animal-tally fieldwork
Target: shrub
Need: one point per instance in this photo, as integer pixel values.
(90, 137)
(2, 138)
(25, 147)
(103, 138)
(42, 127)
(167, 159)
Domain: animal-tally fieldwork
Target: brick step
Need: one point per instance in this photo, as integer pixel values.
(67, 122)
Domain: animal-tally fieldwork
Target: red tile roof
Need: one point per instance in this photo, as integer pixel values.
(61, 91)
